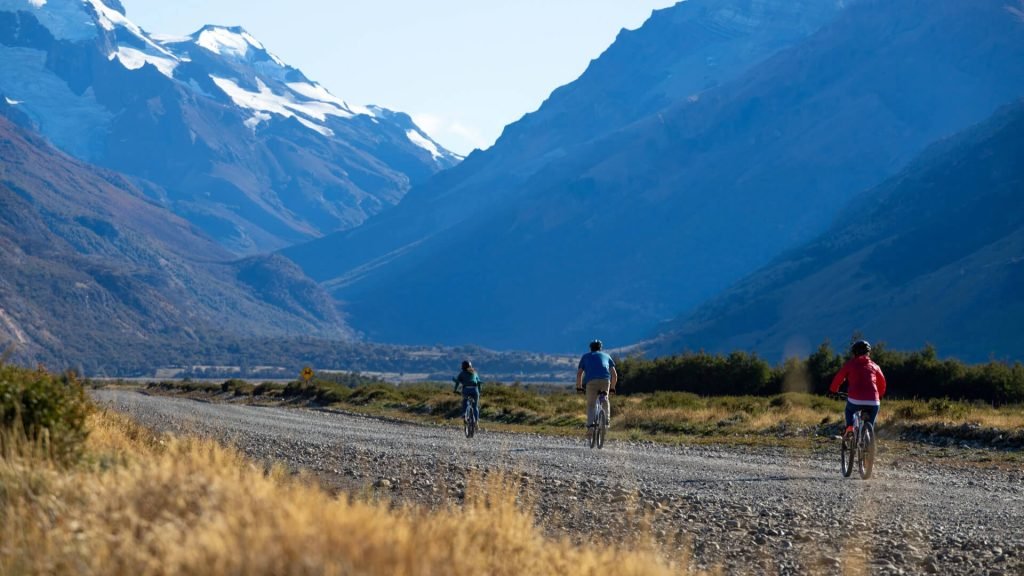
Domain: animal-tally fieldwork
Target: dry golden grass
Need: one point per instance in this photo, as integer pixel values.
(142, 504)
(758, 415)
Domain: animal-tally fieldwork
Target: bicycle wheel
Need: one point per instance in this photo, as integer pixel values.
(592, 432)
(846, 454)
(601, 429)
(467, 420)
(867, 451)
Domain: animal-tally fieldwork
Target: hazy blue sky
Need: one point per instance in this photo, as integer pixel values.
(462, 68)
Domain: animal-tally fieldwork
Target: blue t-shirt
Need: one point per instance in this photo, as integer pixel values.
(596, 366)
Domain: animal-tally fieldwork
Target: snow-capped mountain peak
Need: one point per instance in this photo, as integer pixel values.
(240, 143)
(254, 79)
(231, 42)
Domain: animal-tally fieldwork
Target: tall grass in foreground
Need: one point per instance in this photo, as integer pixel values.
(141, 504)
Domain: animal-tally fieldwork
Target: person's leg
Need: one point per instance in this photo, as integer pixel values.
(607, 385)
(465, 401)
(850, 409)
(592, 390)
(476, 404)
(872, 413)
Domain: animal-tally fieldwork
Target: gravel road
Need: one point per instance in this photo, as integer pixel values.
(750, 511)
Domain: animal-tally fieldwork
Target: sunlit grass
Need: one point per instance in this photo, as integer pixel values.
(144, 504)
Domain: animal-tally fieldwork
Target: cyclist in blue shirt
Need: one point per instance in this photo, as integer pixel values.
(470, 382)
(597, 371)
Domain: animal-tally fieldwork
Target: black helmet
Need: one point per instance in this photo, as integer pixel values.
(466, 364)
(860, 348)
(595, 345)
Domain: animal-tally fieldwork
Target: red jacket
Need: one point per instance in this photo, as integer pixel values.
(867, 383)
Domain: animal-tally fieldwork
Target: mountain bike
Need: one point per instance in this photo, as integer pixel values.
(858, 446)
(599, 428)
(469, 418)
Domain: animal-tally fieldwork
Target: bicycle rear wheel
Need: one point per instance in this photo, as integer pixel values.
(867, 451)
(469, 425)
(593, 429)
(846, 454)
(601, 429)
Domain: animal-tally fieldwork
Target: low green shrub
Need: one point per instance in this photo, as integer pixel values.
(44, 409)
(947, 408)
(266, 388)
(233, 384)
(374, 394)
(912, 412)
(687, 400)
(332, 394)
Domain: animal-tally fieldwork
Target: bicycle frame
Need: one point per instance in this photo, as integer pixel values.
(469, 417)
(858, 447)
(599, 427)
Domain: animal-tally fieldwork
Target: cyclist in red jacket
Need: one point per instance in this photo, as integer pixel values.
(866, 384)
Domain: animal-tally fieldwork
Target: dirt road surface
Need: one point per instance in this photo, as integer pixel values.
(747, 510)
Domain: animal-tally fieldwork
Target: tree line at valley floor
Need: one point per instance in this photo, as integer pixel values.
(917, 374)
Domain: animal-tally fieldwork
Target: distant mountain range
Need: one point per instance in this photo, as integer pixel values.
(92, 267)
(211, 125)
(933, 255)
(694, 151)
(736, 174)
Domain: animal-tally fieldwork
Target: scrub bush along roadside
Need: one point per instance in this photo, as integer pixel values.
(557, 409)
(40, 409)
(143, 504)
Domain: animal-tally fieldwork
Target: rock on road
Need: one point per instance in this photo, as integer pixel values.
(747, 510)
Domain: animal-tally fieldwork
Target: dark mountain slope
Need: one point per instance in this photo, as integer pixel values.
(934, 255)
(88, 265)
(627, 230)
(679, 53)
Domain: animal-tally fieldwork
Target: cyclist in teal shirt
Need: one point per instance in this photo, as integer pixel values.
(597, 371)
(470, 382)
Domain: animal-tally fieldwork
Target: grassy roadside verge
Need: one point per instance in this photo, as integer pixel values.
(133, 502)
(790, 419)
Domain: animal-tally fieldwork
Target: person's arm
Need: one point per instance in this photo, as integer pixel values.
(478, 381)
(456, 380)
(880, 383)
(579, 378)
(838, 380)
(615, 377)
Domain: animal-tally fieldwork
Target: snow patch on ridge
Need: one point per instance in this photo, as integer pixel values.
(133, 59)
(232, 42)
(110, 19)
(267, 101)
(256, 120)
(423, 142)
(318, 93)
(170, 38)
(227, 43)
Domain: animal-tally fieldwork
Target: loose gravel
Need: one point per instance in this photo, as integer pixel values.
(746, 510)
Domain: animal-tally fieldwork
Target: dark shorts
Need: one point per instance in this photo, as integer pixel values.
(851, 408)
